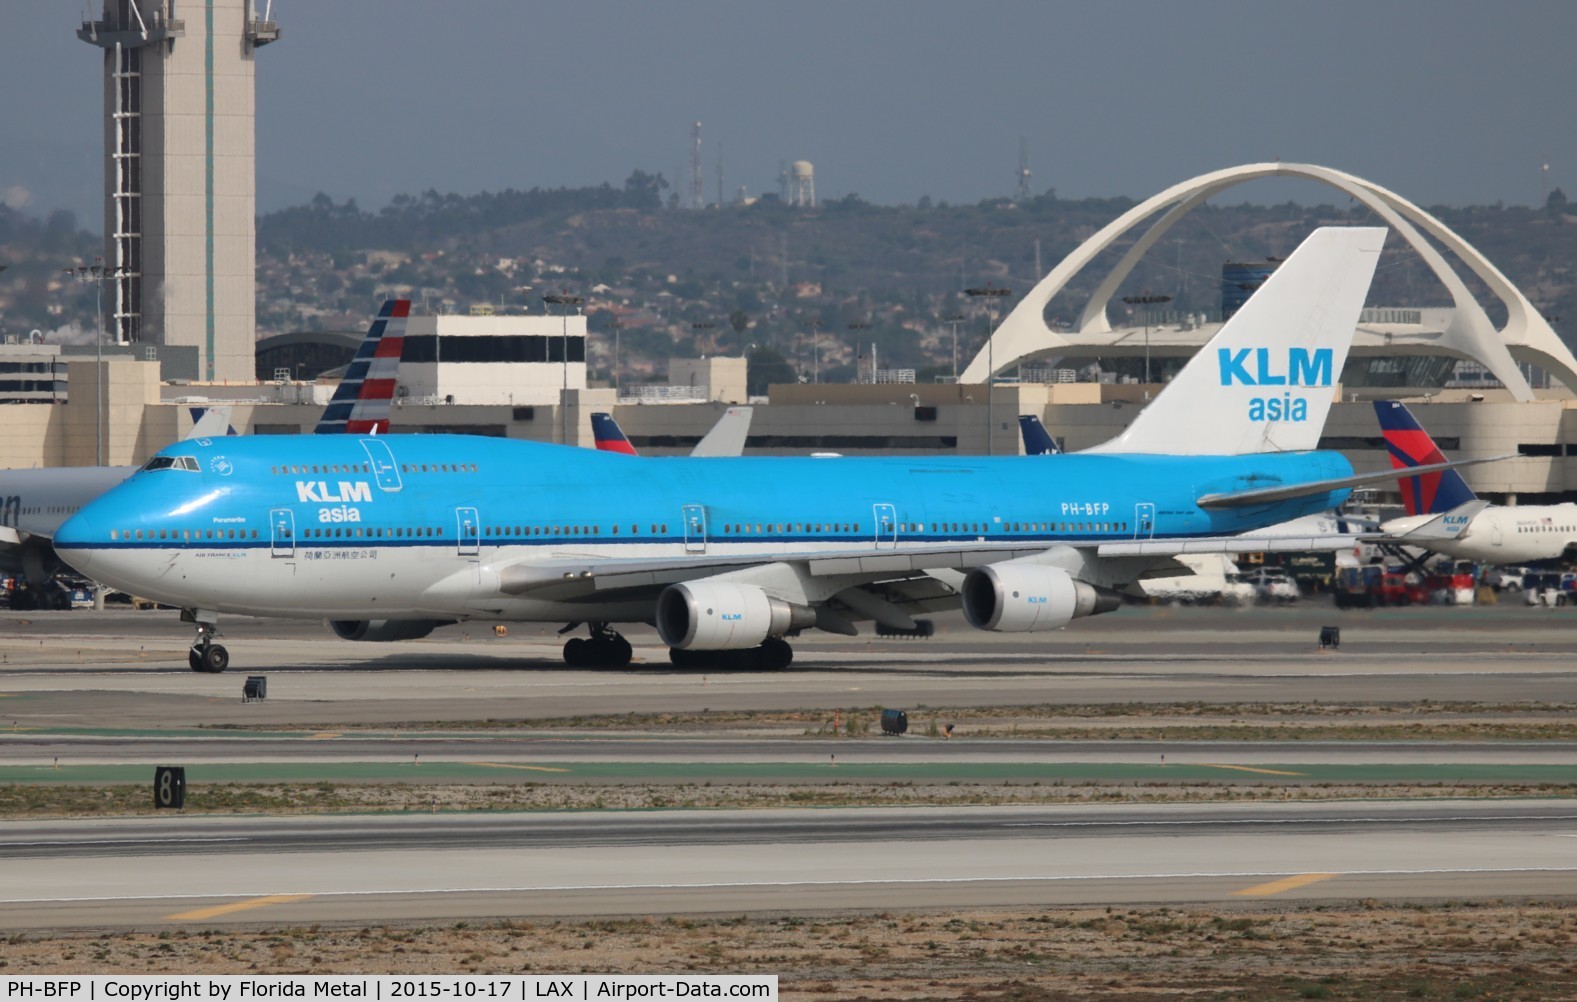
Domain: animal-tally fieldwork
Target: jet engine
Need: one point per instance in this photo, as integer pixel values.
(720, 616)
(384, 630)
(1026, 598)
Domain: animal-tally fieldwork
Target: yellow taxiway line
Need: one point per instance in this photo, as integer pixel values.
(1285, 884)
(237, 906)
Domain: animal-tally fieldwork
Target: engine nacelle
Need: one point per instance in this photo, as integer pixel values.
(384, 630)
(1025, 598)
(721, 616)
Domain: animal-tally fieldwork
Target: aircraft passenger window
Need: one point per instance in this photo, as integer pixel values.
(114, 534)
(440, 530)
(665, 528)
(615, 530)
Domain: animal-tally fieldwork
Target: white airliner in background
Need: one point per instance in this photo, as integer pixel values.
(1444, 515)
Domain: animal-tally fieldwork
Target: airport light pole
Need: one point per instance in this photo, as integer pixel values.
(97, 273)
(565, 300)
(1146, 300)
(954, 318)
(857, 326)
(990, 295)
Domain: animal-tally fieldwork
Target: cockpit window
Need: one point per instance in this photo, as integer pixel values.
(188, 463)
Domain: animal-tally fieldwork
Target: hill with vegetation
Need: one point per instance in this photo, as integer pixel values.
(812, 287)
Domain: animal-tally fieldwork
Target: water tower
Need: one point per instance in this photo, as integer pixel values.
(802, 184)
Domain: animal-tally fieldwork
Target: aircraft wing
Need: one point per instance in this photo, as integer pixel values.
(1266, 495)
(1234, 544)
(571, 576)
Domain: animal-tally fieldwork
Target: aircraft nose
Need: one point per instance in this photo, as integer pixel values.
(73, 542)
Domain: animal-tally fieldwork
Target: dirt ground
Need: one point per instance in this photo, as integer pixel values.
(1428, 951)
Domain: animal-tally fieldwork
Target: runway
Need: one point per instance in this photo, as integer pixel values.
(106, 696)
(216, 871)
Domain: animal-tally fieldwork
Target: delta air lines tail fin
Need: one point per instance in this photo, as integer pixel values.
(609, 436)
(1410, 447)
(361, 403)
(1266, 381)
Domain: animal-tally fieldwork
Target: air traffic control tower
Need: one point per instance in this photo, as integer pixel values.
(179, 179)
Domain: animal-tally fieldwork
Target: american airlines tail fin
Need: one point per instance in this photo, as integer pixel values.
(1410, 446)
(609, 436)
(1266, 381)
(1037, 440)
(360, 405)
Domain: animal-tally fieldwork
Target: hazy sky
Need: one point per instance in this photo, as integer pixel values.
(1445, 101)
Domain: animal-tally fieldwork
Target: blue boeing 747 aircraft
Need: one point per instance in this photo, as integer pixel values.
(388, 537)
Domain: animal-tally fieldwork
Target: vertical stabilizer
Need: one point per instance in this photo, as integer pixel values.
(1037, 440)
(1410, 445)
(727, 437)
(609, 437)
(361, 403)
(1266, 381)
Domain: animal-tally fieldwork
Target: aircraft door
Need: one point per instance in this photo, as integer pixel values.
(886, 526)
(282, 532)
(1495, 538)
(384, 468)
(469, 529)
(1144, 520)
(694, 528)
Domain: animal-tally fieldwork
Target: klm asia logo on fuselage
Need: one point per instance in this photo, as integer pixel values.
(343, 494)
(1257, 367)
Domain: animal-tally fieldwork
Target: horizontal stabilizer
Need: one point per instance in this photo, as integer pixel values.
(1446, 526)
(1267, 495)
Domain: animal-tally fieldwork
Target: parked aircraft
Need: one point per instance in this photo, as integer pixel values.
(34, 502)
(1444, 515)
(389, 537)
(727, 437)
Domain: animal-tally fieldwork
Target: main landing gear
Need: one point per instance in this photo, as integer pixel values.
(774, 654)
(205, 655)
(603, 649)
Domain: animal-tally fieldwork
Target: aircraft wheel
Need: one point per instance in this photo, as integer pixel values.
(214, 658)
(195, 660)
(619, 652)
(774, 654)
(575, 653)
